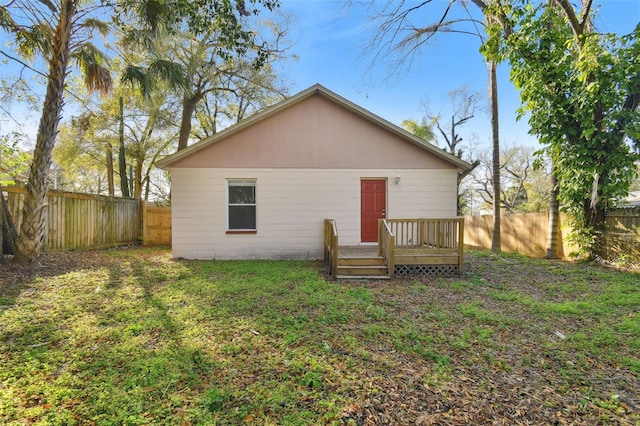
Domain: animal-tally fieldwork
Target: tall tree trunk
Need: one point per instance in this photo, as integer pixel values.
(32, 231)
(554, 217)
(496, 244)
(188, 108)
(137, 180)
(122, 159)
(110, 183)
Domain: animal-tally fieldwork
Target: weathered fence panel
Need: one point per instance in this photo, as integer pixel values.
(623, 234)
(83, 221)
(526, 234)
(157, 225)
(520, 233)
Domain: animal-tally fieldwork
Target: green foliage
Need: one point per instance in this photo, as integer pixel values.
(422, 130)
(14, 162)
(581, 90)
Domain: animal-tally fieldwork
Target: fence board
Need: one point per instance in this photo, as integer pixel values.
(157, 225)
(527, 234)
(623, 234)
(520, 233)
(83, 221)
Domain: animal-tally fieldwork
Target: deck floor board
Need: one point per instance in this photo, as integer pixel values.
(358, 251)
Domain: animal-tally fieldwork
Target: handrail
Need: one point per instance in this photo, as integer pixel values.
(387, 245)
(331, 246)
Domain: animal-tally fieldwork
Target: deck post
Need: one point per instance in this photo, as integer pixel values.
(380, 225)
(392, 254)
(334, 256)
(326, 241)
(460, 245)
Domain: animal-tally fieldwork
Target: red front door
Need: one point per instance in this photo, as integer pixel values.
(372, 207)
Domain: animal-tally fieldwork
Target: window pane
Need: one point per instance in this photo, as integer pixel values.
(242, 194)
(242, 217)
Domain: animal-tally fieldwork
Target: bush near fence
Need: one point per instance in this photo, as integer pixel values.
(526, 233)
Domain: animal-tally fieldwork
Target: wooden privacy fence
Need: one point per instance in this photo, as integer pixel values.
(82, 221)
(623, 234)
(526, 233)
(157, 225)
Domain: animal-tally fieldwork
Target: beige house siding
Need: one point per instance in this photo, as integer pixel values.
(291, 205)
(314, 133)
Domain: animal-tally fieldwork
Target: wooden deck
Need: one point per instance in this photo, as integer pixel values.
(405, 246)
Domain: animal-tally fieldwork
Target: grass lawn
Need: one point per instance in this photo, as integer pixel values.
(130, 336)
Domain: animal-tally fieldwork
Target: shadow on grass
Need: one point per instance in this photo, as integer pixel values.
(139, 338)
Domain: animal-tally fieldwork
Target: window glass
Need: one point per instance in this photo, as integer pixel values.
(242, 205)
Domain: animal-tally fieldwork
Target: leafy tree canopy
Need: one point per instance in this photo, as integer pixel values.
(582, 90)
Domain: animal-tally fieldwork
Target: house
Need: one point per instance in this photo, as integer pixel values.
(264, 187)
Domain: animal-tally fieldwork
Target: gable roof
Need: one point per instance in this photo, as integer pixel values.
(316, 89)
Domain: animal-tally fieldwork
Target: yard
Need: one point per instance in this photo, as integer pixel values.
(130, 336)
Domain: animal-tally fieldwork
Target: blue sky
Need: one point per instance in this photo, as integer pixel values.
(331, 42)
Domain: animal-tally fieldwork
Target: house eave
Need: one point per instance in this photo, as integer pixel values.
(318, 89)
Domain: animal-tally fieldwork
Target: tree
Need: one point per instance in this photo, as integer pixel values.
(237, 96)
(397, 34)
(146, 126)
(198, 65)
(80, 156)
(582, 90)
(525, 180)
(14, 162)
(463, 108)
(422, 130)
(60, 31)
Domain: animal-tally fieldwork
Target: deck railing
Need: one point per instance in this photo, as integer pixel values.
(331, 246)
(433, 233)
(387, 245)
(430, 237)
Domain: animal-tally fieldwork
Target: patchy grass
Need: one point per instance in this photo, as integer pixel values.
(131, 336)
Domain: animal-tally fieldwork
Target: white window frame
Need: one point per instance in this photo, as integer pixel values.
(242, 182)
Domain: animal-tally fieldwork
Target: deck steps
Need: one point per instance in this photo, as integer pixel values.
(362, 277)
(360, 267)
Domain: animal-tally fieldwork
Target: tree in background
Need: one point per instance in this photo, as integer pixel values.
(422, 130)
(526, 182)
(89, 141)
(14, 161)
(199, 64)
(398, 36)
(464, 105)
(582, 91)
(59, 32)
(239, 94)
